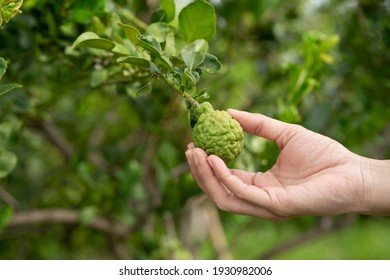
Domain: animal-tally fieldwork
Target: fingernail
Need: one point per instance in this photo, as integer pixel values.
(195, 158)
(230, 110)
(189, 157)
(190, 146)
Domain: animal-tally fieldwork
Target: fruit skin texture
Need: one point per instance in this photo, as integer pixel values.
(217, 133)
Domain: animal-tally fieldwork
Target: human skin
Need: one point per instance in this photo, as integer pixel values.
(313, 175)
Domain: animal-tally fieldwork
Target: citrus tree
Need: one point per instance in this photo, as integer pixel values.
(97, 103)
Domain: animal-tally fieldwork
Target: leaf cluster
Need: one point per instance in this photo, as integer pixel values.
(7, 158)
(173, 48)
(304, 76)
(9, 9)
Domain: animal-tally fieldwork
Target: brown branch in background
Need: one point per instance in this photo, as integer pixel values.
(360, 15)
(179, 170)
(65, 216)
(326, 226)
(200, 220)
(217, 233)
(54, 136)
(149, 180)
(8, 198)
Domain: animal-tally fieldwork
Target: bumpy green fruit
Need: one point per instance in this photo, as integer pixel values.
(217, 133)
(203, 108)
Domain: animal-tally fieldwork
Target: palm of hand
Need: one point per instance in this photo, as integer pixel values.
(314, 169)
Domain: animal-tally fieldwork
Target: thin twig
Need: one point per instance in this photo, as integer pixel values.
(360, 15)
(217, 233)
(148, 179)
(55, 136)
(178, 170)
(8, 198)
(65, 216)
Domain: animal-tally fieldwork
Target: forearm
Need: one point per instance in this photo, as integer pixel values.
(376, 186)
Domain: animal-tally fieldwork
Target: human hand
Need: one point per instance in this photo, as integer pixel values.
(313, 175)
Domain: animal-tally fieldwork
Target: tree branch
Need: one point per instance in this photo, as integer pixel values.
(217, 233)
(8, 198)
(65, 216)
(55, 136)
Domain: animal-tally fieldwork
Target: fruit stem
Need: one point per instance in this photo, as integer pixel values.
(185, 94)
(190, 100)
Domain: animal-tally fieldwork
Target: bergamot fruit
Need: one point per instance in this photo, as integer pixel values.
(217, 133)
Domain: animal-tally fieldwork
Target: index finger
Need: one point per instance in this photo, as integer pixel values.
(270, 199)
(222, 196)
(261, 125)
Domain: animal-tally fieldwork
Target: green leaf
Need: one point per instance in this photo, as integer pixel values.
(158, 16)
(120, 49)
(163, 62)
(139, 90)
(196, 75)
(9, 9)
(8, 87)
(20, 101)
(189, 80)
(98, 77)
(5, 133)
(131, 32)
(308, 86)
(198, 21)
(18, 4)
(135, 61)
(159, 31)
(8, 162)
(3, 67)
(98, 25)
(153, 67)
(150, 44)
(169, 7)
(173, 79)
(202, 94)
(92, 40)
(288, 112)
(145, 90)
(199, 45)
(211, 64)
(83, 11)
(192, 59)
(328, 43)
(169, 49)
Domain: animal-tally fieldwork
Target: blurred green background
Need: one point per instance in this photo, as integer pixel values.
(102, 175)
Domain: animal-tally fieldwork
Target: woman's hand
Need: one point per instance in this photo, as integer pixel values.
(313, 175)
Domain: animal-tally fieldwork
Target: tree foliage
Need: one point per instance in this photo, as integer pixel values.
(92, 145)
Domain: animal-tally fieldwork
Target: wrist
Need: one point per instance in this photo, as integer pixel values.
(376, 186)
